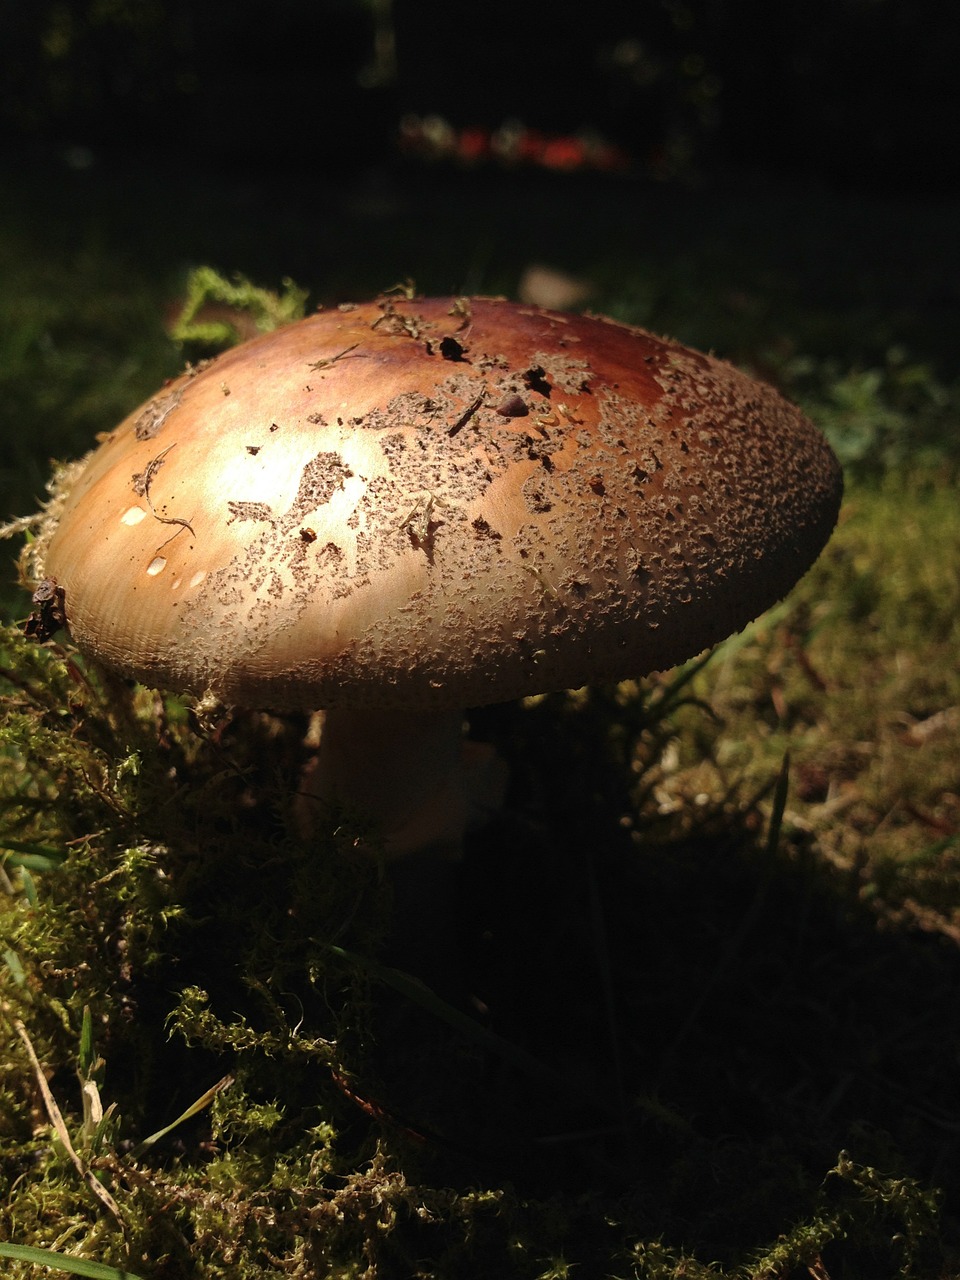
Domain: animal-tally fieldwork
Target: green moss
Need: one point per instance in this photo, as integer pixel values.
(856, 675)
(170, 947)
(214, 307)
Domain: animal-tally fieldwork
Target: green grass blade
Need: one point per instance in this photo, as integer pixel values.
(62, 1262)
(88, 1054)
(29, 887)
(779, 805)
(36, 857)
(12, 961)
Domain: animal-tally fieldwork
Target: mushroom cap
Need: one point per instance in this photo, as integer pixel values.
(435, 503)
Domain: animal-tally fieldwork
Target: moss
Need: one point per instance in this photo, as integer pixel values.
(122, 828)
(856, 675)
(217, 313)
(168, 938)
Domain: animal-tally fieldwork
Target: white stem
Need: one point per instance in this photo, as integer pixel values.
(411, 777)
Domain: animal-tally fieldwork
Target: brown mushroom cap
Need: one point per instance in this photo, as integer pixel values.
(437, 503)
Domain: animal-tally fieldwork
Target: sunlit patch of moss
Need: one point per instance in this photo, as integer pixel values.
(856, 676)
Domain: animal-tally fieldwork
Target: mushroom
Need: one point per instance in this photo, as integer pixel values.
(397, 510)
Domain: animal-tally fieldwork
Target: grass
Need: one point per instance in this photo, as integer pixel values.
(712, 939)
(857, 677)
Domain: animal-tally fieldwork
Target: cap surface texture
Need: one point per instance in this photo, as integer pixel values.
(433, 503)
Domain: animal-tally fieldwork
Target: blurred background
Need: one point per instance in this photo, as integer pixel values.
(853, 92)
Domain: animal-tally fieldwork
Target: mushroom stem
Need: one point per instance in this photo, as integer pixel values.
(412, 775)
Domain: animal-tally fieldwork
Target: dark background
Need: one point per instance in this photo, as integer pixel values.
(852, 92)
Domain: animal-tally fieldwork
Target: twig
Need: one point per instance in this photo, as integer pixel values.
(141, 486)
(466, 416)
(329, 360)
